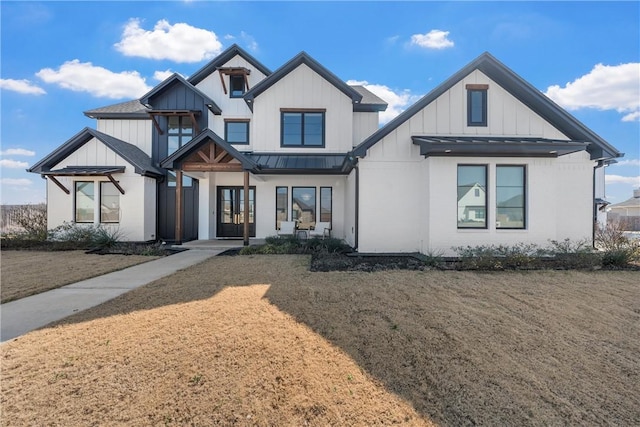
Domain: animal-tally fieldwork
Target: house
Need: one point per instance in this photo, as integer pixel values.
(627, 213)
(234, 149)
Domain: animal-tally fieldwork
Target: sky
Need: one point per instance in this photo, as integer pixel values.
(59, 59)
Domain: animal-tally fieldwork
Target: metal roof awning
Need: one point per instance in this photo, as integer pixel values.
(84, 171)
(496, 146)
(298, 163)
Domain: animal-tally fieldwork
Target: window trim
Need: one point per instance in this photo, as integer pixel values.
(302, 112)
(315, 202)
(524, 197)
(226, 123)
(180, 134)
(75, 202)
(286, 204)
(483, 90)
(102, 183)
(486, 196)
(244, 85)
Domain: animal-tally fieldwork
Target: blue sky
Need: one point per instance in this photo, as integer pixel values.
(62, 58)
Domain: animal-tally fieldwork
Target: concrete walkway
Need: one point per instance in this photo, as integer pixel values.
(26, 314)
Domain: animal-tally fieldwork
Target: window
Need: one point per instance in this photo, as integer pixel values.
(303, 206)
(187, 181)
(236, 82)
(325, 204)
(510, 197)
(236, 132)
(477, 105)
(109, 202)
(85, 201)
(304, 129)
(282, 210)
(179, 132)
(472, 205)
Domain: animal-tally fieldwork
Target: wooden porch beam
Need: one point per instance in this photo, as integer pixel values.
(59, 184)
(115, 183)
(220, 157)
(211, 167)
(204, 156)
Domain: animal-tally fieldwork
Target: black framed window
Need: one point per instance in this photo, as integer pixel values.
(476, 107)
(237, 86)
(179, 132)
(303, 206)
(187, 181)
(302, 129)
(326, 204)
(84, 201)
(510, 197)
(236, 132)
(109, 202)
(282, 210)
(472, 204)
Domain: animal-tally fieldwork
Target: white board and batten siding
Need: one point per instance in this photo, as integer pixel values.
(232, 108)
(303, 89)
(137, 220)
(413, 200)
(135, 132)
(364, 125)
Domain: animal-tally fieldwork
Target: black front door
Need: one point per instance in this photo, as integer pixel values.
(230, 216)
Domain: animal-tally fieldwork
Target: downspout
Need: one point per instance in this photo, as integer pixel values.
(357, 206)
(600, 164)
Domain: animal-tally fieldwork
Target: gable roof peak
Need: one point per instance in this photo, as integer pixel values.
(222, 59)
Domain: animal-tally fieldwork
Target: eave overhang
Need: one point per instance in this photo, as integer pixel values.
(85, 171)
(495, 146)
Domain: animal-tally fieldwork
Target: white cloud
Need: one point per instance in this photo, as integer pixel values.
(98, 81)
(18, 182)
(179, 42)
(162, 75)
(606, 87)
(21, 86)
(619, 179)
(434, 39)
(13, 164)
(398, 101)
(17, 152)
(629, 162)
(249, 41)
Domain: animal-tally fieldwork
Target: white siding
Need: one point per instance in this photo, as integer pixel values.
(137, 205)
(350, 209)
(364, 125)
(135, 132)
(303, 88)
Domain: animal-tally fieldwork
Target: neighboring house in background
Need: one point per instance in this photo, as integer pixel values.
(627, 212)
(235, 149)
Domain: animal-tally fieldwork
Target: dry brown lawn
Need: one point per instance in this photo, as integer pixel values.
(25, 273)
(263, 341)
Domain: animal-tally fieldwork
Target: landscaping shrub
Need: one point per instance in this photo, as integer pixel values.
(292, 245)
(618, 250)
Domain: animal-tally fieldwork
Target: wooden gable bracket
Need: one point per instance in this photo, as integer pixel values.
(156, 124)
(233, 71)
(168, 113)
(115, 183)
(59, 184)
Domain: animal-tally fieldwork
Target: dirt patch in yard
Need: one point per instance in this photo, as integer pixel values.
(260, 340)
(27, 273)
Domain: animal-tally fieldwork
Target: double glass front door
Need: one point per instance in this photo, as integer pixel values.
(230, 212)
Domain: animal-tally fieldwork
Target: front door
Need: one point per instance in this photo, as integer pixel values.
(230, 216)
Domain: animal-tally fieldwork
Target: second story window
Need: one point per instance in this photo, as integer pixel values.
(237, 87)
(302, 129)
(179, 132)
(477, 105)
(236, 131)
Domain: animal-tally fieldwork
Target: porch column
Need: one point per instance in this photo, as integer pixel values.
(178, 236)
(246, 208)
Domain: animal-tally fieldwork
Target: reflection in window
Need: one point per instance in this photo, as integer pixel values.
(187, 181)
(472, 196)
(237, 86)
(85, 198)
(510, 197)
(282, 198)
(325, 204)
(303, 206)
(109, 202)
(302, 129)
(179, 132)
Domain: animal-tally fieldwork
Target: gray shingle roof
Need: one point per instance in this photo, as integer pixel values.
(128, 109)
(135, 156)
(369, 98)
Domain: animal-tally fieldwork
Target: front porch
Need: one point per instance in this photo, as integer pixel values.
(218, 244)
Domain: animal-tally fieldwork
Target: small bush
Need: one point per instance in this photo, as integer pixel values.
(292, 245)
(618, 250)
